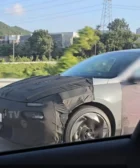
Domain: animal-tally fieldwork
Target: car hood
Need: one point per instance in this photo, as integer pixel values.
(35, 88)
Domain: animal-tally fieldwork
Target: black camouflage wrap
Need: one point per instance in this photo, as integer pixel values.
(59, 96)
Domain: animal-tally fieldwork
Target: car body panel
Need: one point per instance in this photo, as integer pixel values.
(130, 99)
(130, 106)
(110, 95)
(98, 81)
(122, 98)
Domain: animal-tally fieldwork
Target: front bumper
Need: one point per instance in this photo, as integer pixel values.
(22, 131)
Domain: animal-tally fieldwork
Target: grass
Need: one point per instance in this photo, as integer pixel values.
(26, 70)
(20, 70)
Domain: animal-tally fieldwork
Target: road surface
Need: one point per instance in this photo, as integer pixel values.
(7, 146)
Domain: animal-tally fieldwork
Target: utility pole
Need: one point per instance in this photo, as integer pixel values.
(95, 48)
(106, 16)
(13, 50)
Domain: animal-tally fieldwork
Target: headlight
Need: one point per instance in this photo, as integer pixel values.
(33, 115)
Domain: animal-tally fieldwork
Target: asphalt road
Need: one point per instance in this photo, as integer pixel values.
(7, 146)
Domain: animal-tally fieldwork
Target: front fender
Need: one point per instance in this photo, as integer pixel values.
(110, 95)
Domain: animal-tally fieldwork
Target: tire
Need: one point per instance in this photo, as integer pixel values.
(81, 113)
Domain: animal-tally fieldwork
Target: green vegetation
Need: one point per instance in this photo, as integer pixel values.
(19, 30)
(41, 44)
(66, 62)
(23, 70)
(41, 47)
(29, 70)
(8, 30)
(84, 45)
(93, 41)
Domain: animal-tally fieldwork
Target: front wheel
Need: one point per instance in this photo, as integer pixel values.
(87, 123)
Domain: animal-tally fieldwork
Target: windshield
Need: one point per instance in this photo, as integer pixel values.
(108, 65)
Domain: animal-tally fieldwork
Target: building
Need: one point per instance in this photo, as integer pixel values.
(24, 38)
(9, 39)
(138, 31)
(2, 39)
(58, 39)
(68, 38)
(64, 39)
(15, 38)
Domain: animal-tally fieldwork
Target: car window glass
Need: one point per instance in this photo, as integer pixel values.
(108, 65)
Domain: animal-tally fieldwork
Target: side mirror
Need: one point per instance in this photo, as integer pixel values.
(134, 79)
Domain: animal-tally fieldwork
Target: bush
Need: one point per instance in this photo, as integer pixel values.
(31, 58)
(37, 58)
(2, 60)
(39, 72)
(11, 58)
(80, 58)
(44, 58)
(22, 59)
(65, 62)
(27, 70)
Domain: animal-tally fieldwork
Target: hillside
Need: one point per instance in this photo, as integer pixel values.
(8, 30)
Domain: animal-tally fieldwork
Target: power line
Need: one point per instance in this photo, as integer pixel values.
(52, 6)
(73, 2)
(30, 5)
(133, 9)
(56, 17)
(126, 6)
(12, 2)
(36, 4)
(63, 12)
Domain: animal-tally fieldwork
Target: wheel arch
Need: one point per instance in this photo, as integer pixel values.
(102, 107)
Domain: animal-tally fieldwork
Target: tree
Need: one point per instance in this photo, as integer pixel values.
(118, 24)
(41, 43)
(83, 45)
(6, 49)
(23, 49)
(57, 51)
(66, 62)
(119, 36)
(100, 46)
(98, 27)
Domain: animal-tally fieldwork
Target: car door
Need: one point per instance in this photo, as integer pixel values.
(131, 103)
